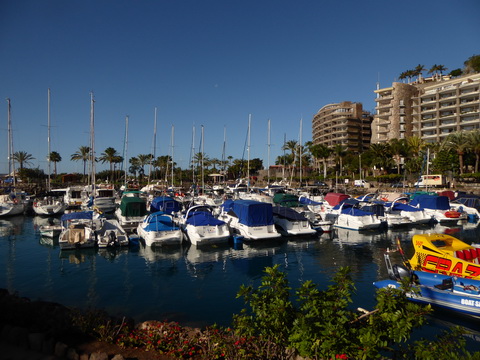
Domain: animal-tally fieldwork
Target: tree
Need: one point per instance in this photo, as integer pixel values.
(398, 148)
(82, 154)
(322, 152)
(23, 158)
(474, 145)
(134, 166)
(339, 152)
(110, 155)
(55, 158)
(144, 159)
(458, 142)
(472, 64)
(418, 70)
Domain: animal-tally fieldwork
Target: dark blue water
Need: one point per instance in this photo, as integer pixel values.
(194, 286)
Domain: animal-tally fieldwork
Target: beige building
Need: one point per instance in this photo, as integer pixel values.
(430, 108)
(343, 124)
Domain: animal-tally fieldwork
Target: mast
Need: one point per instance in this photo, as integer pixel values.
(11, 159)
(92, 141)
(300, 150)
(125, 144)
(248, 152)
(268, 154)
(203, 153)
(223, 152)
(173, 132)
(192, 155)
(154, 144)
(48, 141)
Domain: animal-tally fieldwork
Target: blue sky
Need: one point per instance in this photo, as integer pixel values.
(209, 63)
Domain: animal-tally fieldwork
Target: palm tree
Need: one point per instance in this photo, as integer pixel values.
(110, 155)
(474, 142)
(323, 152)
(23, 158)
(458, 142)
(134, 166)
(339, 151)
(378, 152)
(144, 159)
(418, 70)
(82, 154)
(292, 146)
(398, 149)
(55, 158)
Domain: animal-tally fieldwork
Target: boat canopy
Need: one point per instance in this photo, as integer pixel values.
(227, 205)
(253, 213)
(203, 218)
(335, 198)
(133, 206)
(80, 215)
(398, 206)
(166, 204)
(289, 200)
(431, 202)
(469, 200)
(160, 221)
(288, 213)
(306, 201)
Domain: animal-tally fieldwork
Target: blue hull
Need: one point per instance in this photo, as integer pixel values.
(453, 293)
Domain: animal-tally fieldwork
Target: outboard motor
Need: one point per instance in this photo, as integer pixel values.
(396, 272)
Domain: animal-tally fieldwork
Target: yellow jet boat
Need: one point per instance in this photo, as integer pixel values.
(445, 254)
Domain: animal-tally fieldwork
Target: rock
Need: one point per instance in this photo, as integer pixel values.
(98, 356)
(35, 341)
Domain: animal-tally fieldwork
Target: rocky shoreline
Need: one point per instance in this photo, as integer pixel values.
(44, 331)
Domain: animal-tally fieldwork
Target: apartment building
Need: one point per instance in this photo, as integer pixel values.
(430, 108)
(345, 124)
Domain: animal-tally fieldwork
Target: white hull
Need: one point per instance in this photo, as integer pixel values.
(8, 209)
(55, 208)
(250, 232)
(111, 234)
(129, 223)
(50, 231)
(201, 235)
(294, 228)
(79, 237)
(351, 222)
(160, 238)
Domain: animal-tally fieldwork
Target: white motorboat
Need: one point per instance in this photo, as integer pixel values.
(104, 200)
(439, 208)
(251, 219)
(290, 222)
(50, 231)
(78, 231)
(111, 234)
(400, 206)
(132, 211)
(202, 227)
(349, 215)
(159, 229)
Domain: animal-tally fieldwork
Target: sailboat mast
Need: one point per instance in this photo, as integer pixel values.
(300, 150)
(268, 154)
(125, 161)
(92, 140)
(248, 152)
(48, 141)
(11, 159)
(223, 152)
(173, 133)
(154, 144)
(203, 155)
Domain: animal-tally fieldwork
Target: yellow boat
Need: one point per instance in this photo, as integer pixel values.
(444, 254)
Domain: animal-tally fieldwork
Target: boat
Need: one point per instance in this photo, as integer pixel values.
(415, 215)
(349, 215)
(104, 200)
(131, 212)
(50, 231)
(248, 218)
(438, 207)
(167, 204)
(74, 196)
(159, 229)
(450, 292)
(111, 234)
(445, 254)
(202, 227)
(49, 204)
(78, 231)
(11, 203)
(290, 222)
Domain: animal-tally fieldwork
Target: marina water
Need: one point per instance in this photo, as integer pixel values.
(197, 286)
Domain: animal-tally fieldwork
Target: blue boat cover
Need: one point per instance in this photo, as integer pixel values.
(306, 201)
(227, 205)
(355, 211)
(403, 207)
(203, 218)
(253, 213)
(288, 213)
(159, 221)
(165, 204)
(88, 215)
(431, 202)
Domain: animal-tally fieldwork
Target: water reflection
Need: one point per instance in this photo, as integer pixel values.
(11, 226)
